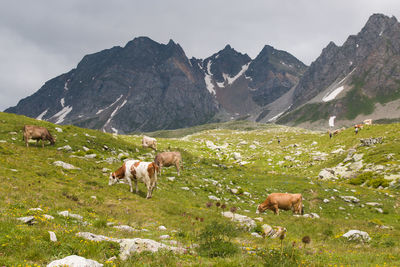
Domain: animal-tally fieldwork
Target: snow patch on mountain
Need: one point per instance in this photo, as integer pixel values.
(231, 80)
(332, 121)
(41, 115)
(62, 114)
(101, 110)
(332, 95)
(113, 114)
(208, 79)
(62, 102)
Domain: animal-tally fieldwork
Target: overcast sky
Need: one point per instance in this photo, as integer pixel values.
(42, 39)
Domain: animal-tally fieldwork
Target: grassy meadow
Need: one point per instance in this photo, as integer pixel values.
(28, 179)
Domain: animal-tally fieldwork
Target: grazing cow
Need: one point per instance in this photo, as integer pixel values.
(283, 201)
(37, 133)
(359, 126)
(136, 170)
(149, 142)
(336, 132)
(166, 159)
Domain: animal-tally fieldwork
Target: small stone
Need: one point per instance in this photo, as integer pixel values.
(74, 261)
(185, 188)
(256, 235)
(53, 237)
(162, 228)
(165, 237)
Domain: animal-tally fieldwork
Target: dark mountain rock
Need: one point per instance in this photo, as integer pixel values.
(366, 65)
(144, 86)
(272, 73)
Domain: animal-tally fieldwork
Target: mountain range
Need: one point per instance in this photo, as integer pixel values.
(147, 86)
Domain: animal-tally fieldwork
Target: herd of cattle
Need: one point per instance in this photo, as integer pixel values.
(146, 172)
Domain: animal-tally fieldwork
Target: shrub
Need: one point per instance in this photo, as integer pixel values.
(378, 182)
(360, 179)
(214, 240)
(290, 256)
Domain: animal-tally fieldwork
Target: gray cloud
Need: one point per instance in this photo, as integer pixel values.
(41, 39)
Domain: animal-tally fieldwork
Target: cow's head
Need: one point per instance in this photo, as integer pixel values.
(112, 180)
(51, 139)
(260, 208)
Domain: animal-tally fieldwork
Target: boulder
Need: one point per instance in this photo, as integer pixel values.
(74, 261)
(28, 220)
(125, 228)
(53, 237)
(350, 199)
(357, 235)
(66, 166)
(373, 204)
(65, 148)
(237, 156)
(66, 213)
(214, 198)
(327, 174)
(241, 219)
(273, 232)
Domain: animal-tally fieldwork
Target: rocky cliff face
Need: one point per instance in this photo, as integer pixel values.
(352, 81)
(142, 87)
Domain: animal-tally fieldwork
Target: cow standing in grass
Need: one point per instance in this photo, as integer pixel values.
(283, 201)
(37, 133)
(136, 170)
(166, 159)
(149, 142)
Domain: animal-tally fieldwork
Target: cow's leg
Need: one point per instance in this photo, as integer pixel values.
(177, 167)
(130, 184)
(276, 209)
(136, 186)
(149, 187)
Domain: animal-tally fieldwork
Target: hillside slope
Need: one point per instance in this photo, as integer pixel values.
(28, 179)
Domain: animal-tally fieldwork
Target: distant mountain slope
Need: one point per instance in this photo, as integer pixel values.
(358, 80)
(147, 86)
(143, 86)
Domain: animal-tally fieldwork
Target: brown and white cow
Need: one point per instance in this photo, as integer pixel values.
(149, 142)
(283, 201)
(136, 170)
(37, 133)
(166, 159)
(359, 126)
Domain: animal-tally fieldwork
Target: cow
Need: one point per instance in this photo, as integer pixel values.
(283, 201)
(359, 126)
(136, 170)
(37, 133)
(166, 159)
(149, 142)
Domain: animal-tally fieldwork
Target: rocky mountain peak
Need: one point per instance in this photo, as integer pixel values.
(378, 23)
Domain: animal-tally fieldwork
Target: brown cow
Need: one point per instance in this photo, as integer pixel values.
(283, 201)
(166, 159)
(37, 133)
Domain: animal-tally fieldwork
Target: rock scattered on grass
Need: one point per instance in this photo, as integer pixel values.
(357, 235)
(66, 166)
(75, 261)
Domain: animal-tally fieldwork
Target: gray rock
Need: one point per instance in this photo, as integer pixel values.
(185, 188)
(214, 198)
(373, 204)
(358, 157)
(58, 129)
(350, 199)
(165, 237)
(111, 160)
(237, 156)
(256, 235)
(74, 261)
(66, 166)
(171, 179)
(53, 237)
(327, 174)
(357, 165)
(241, 219)
(162, 228)
(90, 156)
(65, 148)
(66, 213)
(125, 228)
(48, 217)
(357, 235)
(28, 219)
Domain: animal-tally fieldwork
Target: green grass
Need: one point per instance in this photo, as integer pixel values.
(28, 179)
